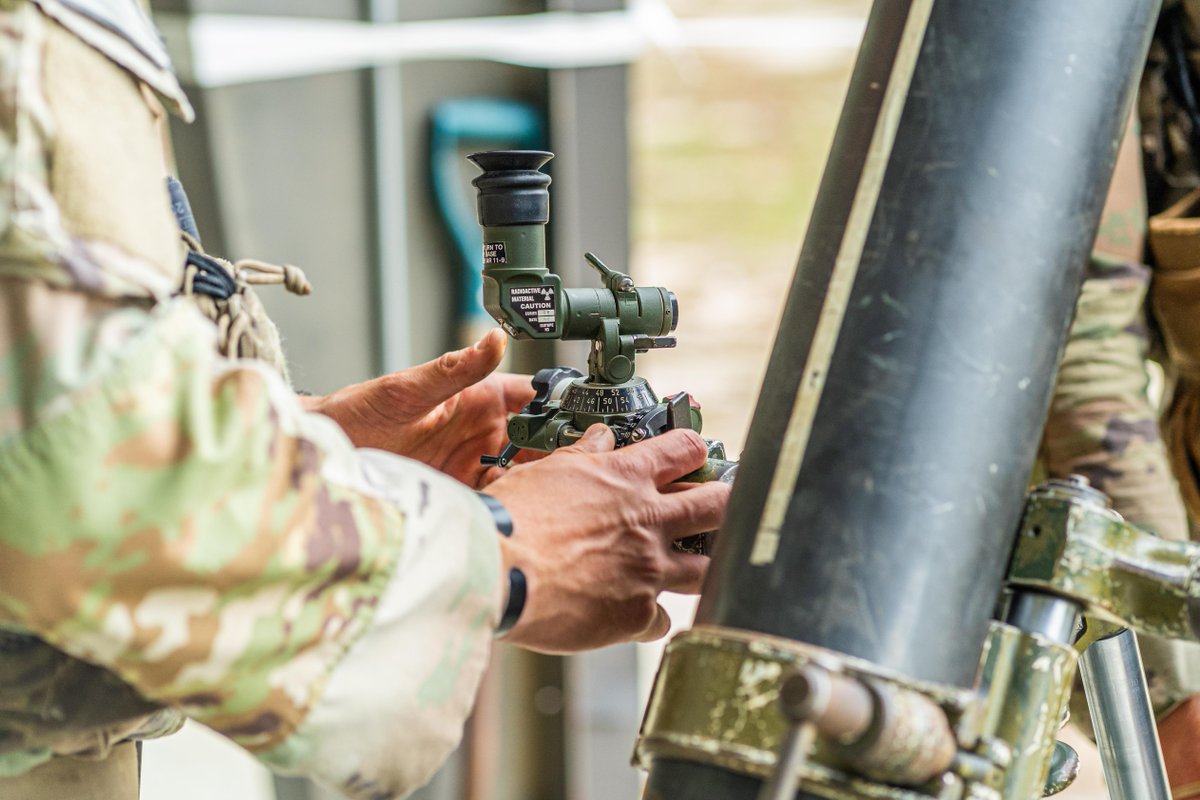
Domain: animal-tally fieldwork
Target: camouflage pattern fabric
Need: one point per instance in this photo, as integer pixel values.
(51, 703)
(173, 516)
(1103, 423)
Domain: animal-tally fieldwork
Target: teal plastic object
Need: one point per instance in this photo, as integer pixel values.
(479, 123)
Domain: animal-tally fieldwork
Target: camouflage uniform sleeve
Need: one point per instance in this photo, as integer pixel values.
(178, 519)
(174, 516)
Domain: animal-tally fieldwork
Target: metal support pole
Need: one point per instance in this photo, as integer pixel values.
(387, 163)
(1115, 685)
(881, 485)
(1044, 614)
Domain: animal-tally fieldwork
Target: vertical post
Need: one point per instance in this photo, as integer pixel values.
(886, 464)
(390, 215)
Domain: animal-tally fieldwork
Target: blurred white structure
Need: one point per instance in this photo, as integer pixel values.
(230, 49)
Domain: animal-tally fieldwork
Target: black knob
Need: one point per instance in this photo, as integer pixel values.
(512, 190)
(543, 386)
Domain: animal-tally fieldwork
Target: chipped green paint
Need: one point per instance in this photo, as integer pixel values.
(1120, 573)
(715, 701)
(1027, 680)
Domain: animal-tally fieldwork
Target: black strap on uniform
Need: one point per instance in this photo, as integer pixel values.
(211, 278)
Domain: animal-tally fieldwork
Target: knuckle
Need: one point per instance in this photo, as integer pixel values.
(693, 446)
(642, 543)
(447, 362)
(628, 464)
(695, 569)
(643, 610)
(679, 451)
(716, 499)
(608, 476)
(652, 514)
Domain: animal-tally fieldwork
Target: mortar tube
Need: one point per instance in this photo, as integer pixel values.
(883, 477)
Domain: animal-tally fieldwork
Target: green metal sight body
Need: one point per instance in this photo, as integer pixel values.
(620, 319)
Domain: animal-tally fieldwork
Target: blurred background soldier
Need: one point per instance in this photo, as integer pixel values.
(1104, 422)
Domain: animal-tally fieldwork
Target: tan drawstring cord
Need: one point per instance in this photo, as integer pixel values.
(261, 273)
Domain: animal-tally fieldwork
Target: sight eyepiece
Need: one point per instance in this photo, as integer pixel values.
(512, 190)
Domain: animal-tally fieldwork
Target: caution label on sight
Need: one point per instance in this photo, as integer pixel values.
(535, 305)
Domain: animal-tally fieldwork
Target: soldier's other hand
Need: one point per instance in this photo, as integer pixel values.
(592, 531)
(445, 413)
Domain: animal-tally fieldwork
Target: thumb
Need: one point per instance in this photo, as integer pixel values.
(596, 439)
(438, 380)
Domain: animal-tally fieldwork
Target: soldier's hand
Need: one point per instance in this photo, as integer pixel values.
(445, 413)
(592, 531)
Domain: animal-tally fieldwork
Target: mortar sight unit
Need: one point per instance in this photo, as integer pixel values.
(620, 319)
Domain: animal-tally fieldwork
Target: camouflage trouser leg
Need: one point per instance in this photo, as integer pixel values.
(112, 778)
(1103, 425)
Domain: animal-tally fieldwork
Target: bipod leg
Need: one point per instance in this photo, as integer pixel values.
(1115, 685)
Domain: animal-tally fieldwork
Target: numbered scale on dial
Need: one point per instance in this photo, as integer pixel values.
(600, 400)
